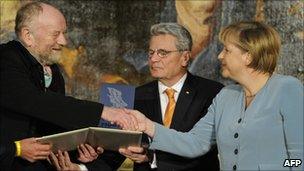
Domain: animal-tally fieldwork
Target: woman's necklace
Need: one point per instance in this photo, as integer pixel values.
(251, 96)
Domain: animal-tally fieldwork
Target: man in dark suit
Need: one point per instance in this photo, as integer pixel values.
(169, 55)
(33, 101)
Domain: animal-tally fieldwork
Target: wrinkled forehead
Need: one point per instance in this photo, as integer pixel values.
(51, 16)
(163, 40)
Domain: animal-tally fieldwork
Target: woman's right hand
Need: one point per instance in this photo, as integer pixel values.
(119, 117)
(143, 123)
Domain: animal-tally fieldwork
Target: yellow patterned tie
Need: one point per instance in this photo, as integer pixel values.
(170, 107)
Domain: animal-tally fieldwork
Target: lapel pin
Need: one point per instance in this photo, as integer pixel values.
(187, 92)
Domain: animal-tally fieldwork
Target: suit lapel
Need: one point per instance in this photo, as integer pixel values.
(153, 104)
(184, 101)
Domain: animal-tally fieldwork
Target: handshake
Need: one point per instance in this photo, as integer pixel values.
(127, 119)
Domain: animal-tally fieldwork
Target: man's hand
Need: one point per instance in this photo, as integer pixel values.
(143, 123)
(137, 154)
(119, 117)
(32, 150)
(62, 161)
(88, 153)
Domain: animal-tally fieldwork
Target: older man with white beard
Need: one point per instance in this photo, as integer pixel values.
(33, 101)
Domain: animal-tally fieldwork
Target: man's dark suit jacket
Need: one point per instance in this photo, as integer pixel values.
(194, 99)
(7, 151)
(28, 109)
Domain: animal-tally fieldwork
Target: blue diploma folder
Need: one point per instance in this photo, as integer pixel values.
(116, 95)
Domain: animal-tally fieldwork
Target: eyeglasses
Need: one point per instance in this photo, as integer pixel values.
(161, 52)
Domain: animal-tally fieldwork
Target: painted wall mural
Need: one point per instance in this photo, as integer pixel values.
(108, 39)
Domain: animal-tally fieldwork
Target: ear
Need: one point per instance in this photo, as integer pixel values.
(247, 58)
(26, 36)
(186, 56)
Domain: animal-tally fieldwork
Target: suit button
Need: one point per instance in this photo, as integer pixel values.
(239, 121)
(234, 167)
(236, 135)
(236, 151)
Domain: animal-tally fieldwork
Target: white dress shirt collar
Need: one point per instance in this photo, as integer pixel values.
(164, 98)
(177, 86)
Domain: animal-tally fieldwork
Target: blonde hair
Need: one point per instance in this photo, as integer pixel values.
(261, 41)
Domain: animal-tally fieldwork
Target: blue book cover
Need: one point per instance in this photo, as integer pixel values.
(116, 95)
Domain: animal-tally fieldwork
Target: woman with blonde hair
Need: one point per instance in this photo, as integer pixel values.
(257, 123)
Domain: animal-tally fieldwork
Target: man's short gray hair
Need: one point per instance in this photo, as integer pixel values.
(183, 36)
(25, 15)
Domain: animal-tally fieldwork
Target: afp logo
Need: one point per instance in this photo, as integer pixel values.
(292, 162)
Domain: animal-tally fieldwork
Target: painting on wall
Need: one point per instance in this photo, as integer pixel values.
(108, 40)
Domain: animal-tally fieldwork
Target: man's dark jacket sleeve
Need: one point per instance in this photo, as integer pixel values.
(20, 94)
(7, 152)
(28, 109)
